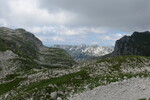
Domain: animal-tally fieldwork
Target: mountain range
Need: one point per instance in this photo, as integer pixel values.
(84, 52)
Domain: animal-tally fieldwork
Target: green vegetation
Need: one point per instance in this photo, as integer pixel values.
(11, 76)
(66, 79)
(122, 59)
(10, 85)
(84, 79)
(26, 46)
(97, 73)
(26, 64)
(129, 59)
(145, 99)
(112, 69)
(75, 81)
(29, 49)
(65, 83)
(58, 56)
(107, 78)
(3, 47)
(0, 67)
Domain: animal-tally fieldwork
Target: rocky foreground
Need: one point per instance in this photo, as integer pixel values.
(131, 89)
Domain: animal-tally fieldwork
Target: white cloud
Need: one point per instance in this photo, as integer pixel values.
(58, 39)
(42, 30)
(27, 13)
(54, 39)
(65, 30)
(124, 15)
(48, 40)
(84, 30)
(119, 35)
(62, 22)
(43, 38)
(98, 30)
(111, 37)
(95, 43)
(3, 22)
(107, 38)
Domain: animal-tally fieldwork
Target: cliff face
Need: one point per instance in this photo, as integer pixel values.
(136, 44)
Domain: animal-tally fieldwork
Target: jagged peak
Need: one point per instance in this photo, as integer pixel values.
(124, 38)
(140, 33)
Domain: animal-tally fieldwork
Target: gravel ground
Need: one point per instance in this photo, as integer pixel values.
(131, 89)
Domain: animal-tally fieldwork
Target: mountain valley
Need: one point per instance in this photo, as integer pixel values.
(31, 71)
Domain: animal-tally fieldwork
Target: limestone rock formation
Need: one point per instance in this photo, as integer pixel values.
(136, 44)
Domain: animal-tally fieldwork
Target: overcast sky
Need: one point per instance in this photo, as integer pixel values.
(92, 22)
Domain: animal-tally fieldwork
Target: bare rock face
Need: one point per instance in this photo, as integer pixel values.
(7, 66)
(53, 95)
(136, 44)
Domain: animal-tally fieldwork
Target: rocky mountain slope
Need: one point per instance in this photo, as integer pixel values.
(21, 50)
(82, 52)
(62, 84)
(136, 44)
(118, 78)
(122, 67)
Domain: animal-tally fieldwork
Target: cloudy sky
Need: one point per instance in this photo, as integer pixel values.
(92, 22)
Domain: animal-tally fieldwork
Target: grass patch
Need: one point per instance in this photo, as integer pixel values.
(10, 85)
(144, 99)
(11, 76)
(3, 47)
(74, 80)
(122, 59)
(87, 78)
(66, 79)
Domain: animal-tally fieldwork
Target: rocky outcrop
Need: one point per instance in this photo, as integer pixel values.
(7, 65)
(136, 44)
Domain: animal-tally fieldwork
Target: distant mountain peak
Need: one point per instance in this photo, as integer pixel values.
(82, 52)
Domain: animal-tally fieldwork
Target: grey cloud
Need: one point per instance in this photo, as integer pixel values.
(127, 15)
(121, 15)
(27, 13)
